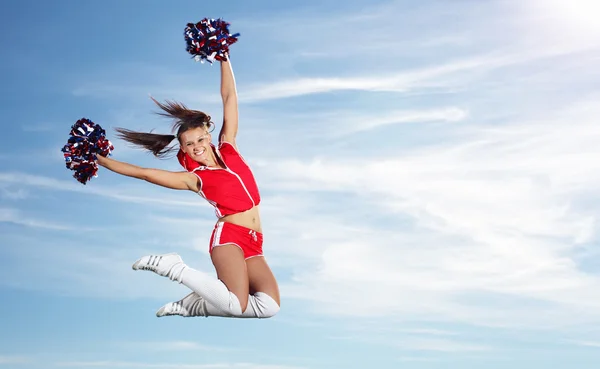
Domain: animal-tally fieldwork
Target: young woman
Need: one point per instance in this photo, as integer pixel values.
(245, 287)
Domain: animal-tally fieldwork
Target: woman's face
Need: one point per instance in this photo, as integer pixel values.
(196, 143)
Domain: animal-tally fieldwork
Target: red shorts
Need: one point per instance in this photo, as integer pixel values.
(248, 240)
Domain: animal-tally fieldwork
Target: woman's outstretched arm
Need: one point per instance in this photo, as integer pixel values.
(173, 180)
(230, 104)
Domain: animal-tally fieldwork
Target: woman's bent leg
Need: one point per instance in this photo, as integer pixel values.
(231, 270)
(221, 293)
(263, 286)
(262, 303)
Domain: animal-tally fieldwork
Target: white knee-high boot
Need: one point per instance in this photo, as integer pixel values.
(211, 289)
(260, 305)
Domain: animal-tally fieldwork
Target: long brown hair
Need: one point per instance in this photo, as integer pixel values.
(184, 119)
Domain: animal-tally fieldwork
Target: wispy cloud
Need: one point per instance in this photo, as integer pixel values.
(594, 344)
(417, 340)
(59, 265)
(173, 346)
(130, 364)
(492, 216)
(15, 216)
(445, 76)
(441, 345)
(348, 122)
(417, 359)
(428, 331)
(437, 60)
(17, 194)
(53, 184)
(14, 360)
(423, 78)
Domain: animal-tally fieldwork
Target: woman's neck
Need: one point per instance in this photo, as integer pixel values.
(213, 160)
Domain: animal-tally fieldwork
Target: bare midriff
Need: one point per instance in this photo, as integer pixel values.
(249, 219)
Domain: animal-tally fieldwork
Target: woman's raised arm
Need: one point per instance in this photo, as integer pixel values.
(230, 104)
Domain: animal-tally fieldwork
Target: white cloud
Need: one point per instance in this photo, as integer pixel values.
(414, 57)
(422, 341)
(422, 78)
(123, 192)
(441, 345)
(18, 194)
(60, 265)
(440, 77)
(302, 129)
(172, 346)
(14, 360)
(417, 359)
(130, 364)
(486, 227)
(592, 344)
(347, 123)
(15, 216)
(419, 49)
(429, 331)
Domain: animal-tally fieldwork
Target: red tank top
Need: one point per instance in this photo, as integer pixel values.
(230, 190)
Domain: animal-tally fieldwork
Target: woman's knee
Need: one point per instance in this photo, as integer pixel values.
(265, 306)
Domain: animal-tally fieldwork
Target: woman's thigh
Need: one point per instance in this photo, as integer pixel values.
(261, 278)
(232, 271)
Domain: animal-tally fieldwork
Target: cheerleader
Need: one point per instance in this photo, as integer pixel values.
(245, 286)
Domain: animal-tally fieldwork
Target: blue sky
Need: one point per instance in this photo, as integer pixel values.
(429, 173)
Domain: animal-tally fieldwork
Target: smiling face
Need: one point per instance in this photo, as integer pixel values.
(196, 143)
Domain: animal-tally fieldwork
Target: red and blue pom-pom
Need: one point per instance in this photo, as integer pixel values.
(209, 40)
(87, 140)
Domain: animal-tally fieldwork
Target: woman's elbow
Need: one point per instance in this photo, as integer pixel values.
(228, 94)
(145, 174)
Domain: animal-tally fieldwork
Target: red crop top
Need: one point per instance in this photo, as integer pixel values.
(230, 190)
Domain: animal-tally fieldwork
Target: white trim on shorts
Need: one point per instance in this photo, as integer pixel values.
(217, 238)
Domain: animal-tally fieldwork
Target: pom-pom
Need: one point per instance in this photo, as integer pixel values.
(209, 40)
(87, 140)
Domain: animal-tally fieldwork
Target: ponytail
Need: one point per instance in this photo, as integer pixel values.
(153, 142)
(184, 119)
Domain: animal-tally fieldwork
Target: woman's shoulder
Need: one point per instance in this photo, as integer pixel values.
(226, 146)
